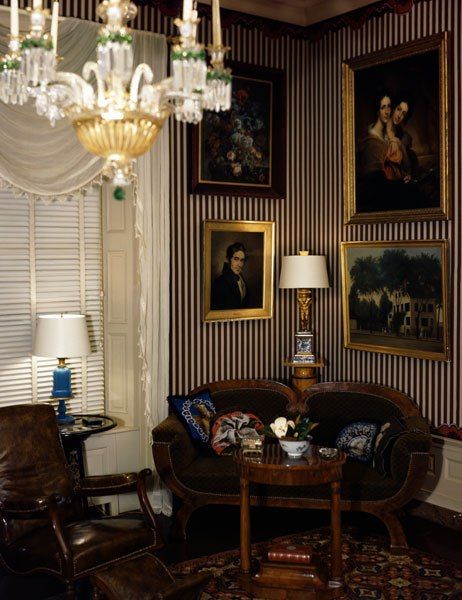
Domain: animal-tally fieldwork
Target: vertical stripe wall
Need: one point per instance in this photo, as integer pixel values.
(204, 352)
(311, 216)
(435, 385)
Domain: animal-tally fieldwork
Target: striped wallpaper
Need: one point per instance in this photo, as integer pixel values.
(436, 386)
(310, 217)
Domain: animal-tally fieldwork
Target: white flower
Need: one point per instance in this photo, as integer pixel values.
(280, 426)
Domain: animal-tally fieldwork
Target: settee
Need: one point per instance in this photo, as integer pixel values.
(198, 478)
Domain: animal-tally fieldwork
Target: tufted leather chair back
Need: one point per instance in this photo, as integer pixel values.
(32, 461)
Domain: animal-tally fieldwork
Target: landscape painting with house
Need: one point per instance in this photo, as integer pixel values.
(395, 297)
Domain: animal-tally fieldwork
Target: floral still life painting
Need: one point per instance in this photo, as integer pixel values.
(236, 152)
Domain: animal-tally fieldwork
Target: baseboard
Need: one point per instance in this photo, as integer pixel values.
(442, 489)
(436, 514)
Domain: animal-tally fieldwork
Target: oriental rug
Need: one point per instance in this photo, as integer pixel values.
(371, 572)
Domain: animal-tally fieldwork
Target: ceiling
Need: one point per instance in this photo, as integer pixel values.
(299, 12)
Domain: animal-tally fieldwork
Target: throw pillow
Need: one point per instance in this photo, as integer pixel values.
(195, 412)
(357, 440)
(387, 436)
(230, 428)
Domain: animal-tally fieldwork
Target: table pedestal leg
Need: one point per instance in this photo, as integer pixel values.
(336, 533)
(245, 526)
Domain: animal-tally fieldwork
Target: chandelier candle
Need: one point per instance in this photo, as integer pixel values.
(14, 19)
(216, 23)
(54, 26)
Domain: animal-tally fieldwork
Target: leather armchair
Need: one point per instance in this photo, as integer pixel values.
(44, 523)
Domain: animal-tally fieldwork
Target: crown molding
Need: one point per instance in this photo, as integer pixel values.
(296, 12)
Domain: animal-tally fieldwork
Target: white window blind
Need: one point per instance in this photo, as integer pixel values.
(50, 262)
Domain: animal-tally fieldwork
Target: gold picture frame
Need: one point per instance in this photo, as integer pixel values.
(238, 265)
(395, 297)
(396, 133)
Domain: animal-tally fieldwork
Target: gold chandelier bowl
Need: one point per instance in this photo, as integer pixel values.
(121, 138)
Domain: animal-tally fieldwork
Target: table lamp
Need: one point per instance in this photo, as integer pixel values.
(61, 336)
(304, 272)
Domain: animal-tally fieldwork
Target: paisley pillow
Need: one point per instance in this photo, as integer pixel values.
(196, 413)
(357, 440)
(230, 428)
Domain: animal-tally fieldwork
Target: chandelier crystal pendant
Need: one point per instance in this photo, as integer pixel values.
(122, 116)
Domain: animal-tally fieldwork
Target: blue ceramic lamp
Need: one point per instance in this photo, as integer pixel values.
(61, 336)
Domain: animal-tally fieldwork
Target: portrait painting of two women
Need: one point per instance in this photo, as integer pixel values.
(395, 133)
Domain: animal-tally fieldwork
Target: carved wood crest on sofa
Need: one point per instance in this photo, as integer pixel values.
(198, 478)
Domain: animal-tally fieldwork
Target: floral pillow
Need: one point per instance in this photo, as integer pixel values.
(196, 413)
(230, 428)
(357, 440)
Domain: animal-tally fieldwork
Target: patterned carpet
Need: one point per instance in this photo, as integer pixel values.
(371, 572)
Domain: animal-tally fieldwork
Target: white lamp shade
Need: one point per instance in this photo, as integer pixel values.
(303, 272)
(61, 336)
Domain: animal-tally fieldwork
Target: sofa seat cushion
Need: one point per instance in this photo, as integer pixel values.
(93, 542)
(218, 475)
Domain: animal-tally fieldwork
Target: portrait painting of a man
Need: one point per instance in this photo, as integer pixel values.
(237, 269)
(395, 119)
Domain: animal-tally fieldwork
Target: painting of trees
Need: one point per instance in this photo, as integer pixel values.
(396, 297)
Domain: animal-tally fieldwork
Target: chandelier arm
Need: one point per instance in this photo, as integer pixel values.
(82, 91)
(92, 67)
(142, 71)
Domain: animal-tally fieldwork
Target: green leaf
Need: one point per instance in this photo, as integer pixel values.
(10, 63)
(219, 76)
(187, 54)
(121, 38)
(44, 43)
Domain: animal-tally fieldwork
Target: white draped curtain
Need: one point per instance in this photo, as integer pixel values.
(49, 163)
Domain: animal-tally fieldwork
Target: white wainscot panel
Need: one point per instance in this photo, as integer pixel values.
(117, 381)
(114, 451)
(117, 286)
(443, 484)
(115, 216)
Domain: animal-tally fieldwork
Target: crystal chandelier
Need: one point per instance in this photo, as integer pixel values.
(120, 118)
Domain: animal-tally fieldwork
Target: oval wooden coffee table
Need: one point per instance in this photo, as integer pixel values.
(285, 580)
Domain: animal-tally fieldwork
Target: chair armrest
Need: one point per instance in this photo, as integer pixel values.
(44, 507)
(407, 444)
(106, 485)
(171, 434)
(25, 509)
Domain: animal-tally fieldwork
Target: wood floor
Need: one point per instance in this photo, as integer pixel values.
(216, 528)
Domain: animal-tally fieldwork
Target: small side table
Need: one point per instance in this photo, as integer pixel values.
(304, 375)
(290, 581)
(73, 435)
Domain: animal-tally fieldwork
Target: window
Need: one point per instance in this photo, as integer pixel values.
(424, 322)
(407, 307)
(416, 307)
(430, 307)
(408, 320)
(50, 262)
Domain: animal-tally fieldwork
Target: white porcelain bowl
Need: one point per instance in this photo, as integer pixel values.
(295, 448)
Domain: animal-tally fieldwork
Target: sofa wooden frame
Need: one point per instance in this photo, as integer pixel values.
(384, 509)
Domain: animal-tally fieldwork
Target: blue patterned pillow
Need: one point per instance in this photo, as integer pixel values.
(357, 440)
(195, 412)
